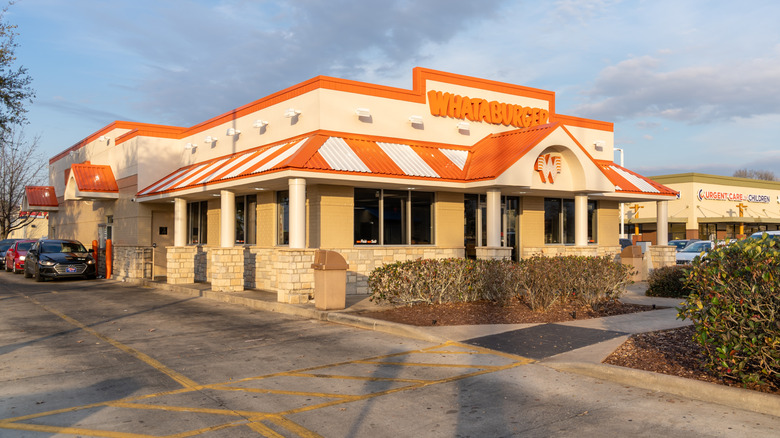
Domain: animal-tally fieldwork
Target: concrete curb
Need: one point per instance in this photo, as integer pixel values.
(694, 389)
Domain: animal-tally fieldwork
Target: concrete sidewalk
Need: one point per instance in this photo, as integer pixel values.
(585, 360)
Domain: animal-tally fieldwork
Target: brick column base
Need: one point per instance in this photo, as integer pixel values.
(227, 269)
(181, 264)
(494, 252)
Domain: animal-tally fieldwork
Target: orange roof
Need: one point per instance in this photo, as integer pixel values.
(496, 153)
(40, 196)
(94, 178)
(331, 152)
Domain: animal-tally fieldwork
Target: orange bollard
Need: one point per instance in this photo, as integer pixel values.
(109, 258)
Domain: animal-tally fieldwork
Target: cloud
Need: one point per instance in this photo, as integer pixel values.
(197, 61)
(640, 87)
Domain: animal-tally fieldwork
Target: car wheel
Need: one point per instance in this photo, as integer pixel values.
(38, 276)
(26, 274)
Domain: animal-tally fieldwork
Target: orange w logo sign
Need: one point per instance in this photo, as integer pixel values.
(548, 166)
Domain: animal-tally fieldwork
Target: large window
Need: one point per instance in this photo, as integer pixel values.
(475, 223)
(246, 219)
(197, 213)
(393, 217)
(283, 217)
(559, 221)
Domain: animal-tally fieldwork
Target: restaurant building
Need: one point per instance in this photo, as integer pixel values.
(456, 166)
(708, 207)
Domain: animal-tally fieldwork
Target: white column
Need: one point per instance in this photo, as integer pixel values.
(662, 222)
(227, 219)
(297, 213)
(179, 222)
(580, 220)
(493, 218)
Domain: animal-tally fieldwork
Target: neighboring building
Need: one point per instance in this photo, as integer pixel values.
(709, 207)
(455, 167)
(36, 228)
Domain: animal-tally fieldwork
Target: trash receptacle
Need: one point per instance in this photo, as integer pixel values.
(632, 256)
(330, 280)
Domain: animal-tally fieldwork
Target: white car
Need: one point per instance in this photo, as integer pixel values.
(693, 250)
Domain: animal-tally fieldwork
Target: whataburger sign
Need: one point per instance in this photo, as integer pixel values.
(481, 110)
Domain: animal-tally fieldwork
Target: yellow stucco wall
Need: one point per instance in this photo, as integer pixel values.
(607, 223)
(330, 216)
(449, 220)
(532, 222)
(266, 219)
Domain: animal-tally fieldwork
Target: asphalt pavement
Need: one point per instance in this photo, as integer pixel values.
(577, 346)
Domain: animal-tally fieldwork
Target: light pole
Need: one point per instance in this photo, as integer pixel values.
(622, 214)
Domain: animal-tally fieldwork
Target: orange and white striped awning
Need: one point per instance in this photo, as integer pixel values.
(326, 152)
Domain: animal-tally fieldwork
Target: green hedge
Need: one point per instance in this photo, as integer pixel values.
(735, 308)
(667, 282)
(538, 281)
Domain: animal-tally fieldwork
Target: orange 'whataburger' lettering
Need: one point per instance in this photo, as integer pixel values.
(480, 110)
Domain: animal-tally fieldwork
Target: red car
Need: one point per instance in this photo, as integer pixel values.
(14, 257)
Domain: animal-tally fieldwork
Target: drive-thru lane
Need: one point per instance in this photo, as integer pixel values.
(95, 358)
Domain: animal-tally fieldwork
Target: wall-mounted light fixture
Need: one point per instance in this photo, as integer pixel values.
(190, 146)
(209, 139)
(363, 112)
(464, 126)
(416, 120)
(104, 139)
(599, 145)
(232, 132)
(260, 123)
(292, 112)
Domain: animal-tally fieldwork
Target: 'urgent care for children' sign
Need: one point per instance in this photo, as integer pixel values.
(480, 110)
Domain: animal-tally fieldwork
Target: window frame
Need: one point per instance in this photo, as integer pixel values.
(406, 219)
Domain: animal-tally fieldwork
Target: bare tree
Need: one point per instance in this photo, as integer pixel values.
(755, 174)
(15, 88)
(20, 165)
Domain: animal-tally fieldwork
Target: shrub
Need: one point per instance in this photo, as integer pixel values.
(667, 281)
(734, 306)
(538, 281)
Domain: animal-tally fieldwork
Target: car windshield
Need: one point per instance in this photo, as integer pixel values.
(62, 247)
(679, 244)
(4, 247)
(24, 246)
(697, 247)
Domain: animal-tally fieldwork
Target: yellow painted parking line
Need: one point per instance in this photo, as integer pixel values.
(282, 392)
(425, 364)
(197, 432)
(179, 378)
(73, 431)
(267, 424)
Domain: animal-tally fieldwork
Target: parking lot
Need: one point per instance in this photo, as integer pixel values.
(99, 358)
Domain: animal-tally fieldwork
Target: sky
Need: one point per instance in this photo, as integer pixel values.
(691, 86)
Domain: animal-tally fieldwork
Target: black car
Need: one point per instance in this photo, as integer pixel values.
(58, 258)
(4, 245)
